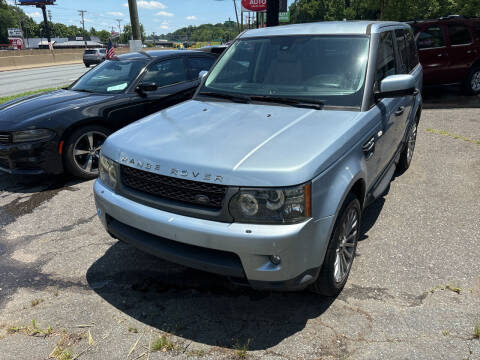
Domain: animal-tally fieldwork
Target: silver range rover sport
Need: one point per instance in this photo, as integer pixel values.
(264, 174)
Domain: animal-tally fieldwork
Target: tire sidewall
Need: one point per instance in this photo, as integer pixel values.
(326, 284)
(467, 86)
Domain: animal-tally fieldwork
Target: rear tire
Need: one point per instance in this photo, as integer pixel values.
(87, 65)
(341, 250)
(471, 85)
(82, 150)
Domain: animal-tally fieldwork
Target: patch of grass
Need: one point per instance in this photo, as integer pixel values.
(33, 330)
(55, 292)
(476, 332)
(35, 302)
(197, 353)
(133, 330)
(63, 349)
(241, 349)
(5, 99)
(455, 136)
(444, 332)
(162, 343)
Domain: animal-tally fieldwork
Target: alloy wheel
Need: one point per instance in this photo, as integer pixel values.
(475, 82)
(412, 138)
(345, 251)
(86, 151)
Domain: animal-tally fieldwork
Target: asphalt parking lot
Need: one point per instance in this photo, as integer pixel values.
(67, 290)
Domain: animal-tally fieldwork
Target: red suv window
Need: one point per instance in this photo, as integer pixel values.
(459, 35)
(431, 37)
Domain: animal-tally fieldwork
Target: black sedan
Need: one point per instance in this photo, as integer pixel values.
(64, 130)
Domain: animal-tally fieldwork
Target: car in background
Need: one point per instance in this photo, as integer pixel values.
(214, 49)
(65, 129)
(449, 50)
(94, 56)
(264, 174)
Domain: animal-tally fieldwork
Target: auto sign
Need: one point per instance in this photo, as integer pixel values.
(254, 5)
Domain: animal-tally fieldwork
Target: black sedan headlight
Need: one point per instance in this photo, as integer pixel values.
(271, 206)
(32, 135)
(108, 172)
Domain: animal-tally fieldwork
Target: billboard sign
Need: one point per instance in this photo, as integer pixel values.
(14, 33)
(35, 2)
(284, 17)
(254, 5)
(17, 44)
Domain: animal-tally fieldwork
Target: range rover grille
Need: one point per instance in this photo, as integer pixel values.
(187, 191)
(5, 138)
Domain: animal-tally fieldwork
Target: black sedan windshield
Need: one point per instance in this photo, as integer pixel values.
(110, 76)
(327, 70)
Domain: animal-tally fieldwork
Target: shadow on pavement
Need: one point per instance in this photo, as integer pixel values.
(199, 306)
(448, 97)
(204, 307)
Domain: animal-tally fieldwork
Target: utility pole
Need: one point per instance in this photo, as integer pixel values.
(45, 21)
(119, 26)
(81, 13)
(236, 14)
(273, 10)
(132, 5)
(153, 34)
(50, 18)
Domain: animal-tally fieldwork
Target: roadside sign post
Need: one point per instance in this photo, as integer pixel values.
(41, 4)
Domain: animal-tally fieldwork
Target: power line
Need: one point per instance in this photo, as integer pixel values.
(81, 13)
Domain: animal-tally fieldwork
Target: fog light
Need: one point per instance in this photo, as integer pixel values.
(275, 259)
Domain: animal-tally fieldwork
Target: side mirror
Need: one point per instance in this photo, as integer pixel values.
(396, 86)
(146, 86)
(202, 74)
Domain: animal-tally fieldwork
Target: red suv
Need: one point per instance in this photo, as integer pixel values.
(449, 50)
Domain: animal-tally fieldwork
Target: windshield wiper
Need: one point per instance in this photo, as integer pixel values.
(311, 104)
(235, 98)
(84, 90)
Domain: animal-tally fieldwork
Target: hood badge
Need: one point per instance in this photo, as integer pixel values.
(196, 175)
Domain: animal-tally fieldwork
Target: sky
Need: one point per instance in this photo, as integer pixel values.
(161, 16)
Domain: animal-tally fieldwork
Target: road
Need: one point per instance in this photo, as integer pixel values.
(19, 81)
(414, 290)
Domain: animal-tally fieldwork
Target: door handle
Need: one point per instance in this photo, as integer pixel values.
(369, 148)
(399, 111)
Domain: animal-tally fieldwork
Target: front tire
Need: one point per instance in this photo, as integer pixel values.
(341, 250)
(407, 152)
(471, 85)
(87, 65)
(82, 151)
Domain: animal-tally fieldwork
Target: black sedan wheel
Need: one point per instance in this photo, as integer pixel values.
(82, 151)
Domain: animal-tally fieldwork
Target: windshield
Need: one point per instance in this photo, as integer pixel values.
(327, 69)
(110, 76)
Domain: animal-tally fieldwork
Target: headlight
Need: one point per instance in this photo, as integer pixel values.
(271, 206)
(108, 172)
(32, 135)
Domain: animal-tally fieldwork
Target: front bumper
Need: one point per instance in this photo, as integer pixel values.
(240, 251)
(30, 158)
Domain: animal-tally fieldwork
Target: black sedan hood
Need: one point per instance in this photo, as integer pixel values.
(22, 113)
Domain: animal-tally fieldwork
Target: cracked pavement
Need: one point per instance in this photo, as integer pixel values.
(414, 290)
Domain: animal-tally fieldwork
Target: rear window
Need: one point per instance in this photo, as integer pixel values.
(459, 35)
(90, 52)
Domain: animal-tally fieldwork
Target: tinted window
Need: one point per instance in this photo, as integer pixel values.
(166, 72)
(90, 52)
(404, 67)
(412, 50)
(102, 51)
(386, 57)
(476, 29)
(195, 65)
(459, 35)
(431, 37)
